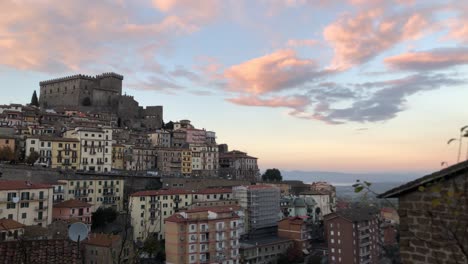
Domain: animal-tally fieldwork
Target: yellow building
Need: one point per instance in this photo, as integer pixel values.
(26, 202)
(100, 192)
(186, 162)
(65, 153)
(7, 142)
(118, 157)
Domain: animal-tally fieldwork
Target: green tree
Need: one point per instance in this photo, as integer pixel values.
(32, 158)
(34, 100)
(154, 247)
(273, 175)
(103, 216)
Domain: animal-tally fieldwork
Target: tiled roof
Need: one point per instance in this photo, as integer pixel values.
(296, 220)
(454, 170)
(40, 252)
(214, 191)
(216, 209)
(101, 240)
(22, 185)
(255, 187)
(178, 218)
(161, 192)
(72, 203)
(8, 224)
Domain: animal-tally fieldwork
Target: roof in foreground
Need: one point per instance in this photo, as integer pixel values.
(8, 224)
(22, 185)
(101, 240)
(454, 170)
(48, 251)
(264, 241)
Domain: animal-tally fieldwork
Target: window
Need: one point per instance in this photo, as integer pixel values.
(24, 205)
(23, 215)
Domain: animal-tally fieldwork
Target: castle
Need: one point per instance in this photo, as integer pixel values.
(100, 93)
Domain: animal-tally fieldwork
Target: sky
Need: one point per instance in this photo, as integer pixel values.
(329, 85)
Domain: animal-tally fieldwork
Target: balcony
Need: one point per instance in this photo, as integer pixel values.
(365, 253)
(81, 187)
(364, 244)
(220, 238)
(108, 202)
(59, 191)
(43, 208)
(81, 194)
(365, 235)
(39, 220)
(109, 194)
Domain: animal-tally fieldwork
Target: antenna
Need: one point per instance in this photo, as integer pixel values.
(78, 231)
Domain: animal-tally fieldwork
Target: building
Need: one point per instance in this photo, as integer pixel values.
(140, 158)
(169, 161)
(7, 142)
(96, 148)
(150, 208)
(238, 165)
(105, 249)
(205, 160)
(186, 162)
(73, 210)
(325, 187)
(322, 199)
(353, 236)
(10, 230)
(100, 192)
(261, 204)
(26, 202)
(296, 206)
(41, 145)
(118, 162)
(200, 183)
(65, 153)
(203, 235)
(298, 229)
(42, 251)
(160, 138)
(264, 250)
(434, 216)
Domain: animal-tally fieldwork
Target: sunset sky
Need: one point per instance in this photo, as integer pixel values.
(333, 85)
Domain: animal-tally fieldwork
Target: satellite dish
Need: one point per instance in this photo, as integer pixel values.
(15, 199)
(78, 231)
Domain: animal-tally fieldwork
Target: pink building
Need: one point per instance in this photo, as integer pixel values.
(72, 210)
(195, 136)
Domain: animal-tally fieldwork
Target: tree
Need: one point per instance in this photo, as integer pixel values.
(103, 216)
(273, 175)
(294, 255)
(32, 158)
(34, 100)
(86, 101)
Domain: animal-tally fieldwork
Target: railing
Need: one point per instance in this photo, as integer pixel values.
(41, 209)
(40, 220)
(364, 244)
(59, 191)
(109, 194)
(81, 194)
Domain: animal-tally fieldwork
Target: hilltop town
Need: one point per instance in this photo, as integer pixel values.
(155, 192)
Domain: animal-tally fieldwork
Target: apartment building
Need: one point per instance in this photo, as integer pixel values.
(65, 153)
(186, 162)
(212, 194)
(169, 161)
(205, 160)
(160, 138)
(73, 210)
(26, 202)
(41, 145)
(118, 151)
(140, 158)
(7, 142)
(322, 200)
(238, 165)
(103, 192)
(150, 208)
(105, 249)
(96, 148)
(203, 235)
(297, 229)
(261, 204)
(10, 230)
(353, 236)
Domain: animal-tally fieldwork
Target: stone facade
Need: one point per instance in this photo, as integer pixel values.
(434, 229)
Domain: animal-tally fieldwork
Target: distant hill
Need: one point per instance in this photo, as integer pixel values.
(343, 178)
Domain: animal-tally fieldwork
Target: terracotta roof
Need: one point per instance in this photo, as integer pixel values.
(22, 185)
(72, 203)
(296, 220)
(214, 191)
(454, 170)
(355, 214)
(260, 186)
(161, 192)
(8, 224)
(101, 240)
(216, 209)
(40, 251)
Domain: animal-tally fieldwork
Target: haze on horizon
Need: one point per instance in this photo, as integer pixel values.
(340, 85)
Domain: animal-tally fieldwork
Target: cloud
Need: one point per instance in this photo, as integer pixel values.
(358, 39)
(181, 71)
(277, 71)
(429, 60)
(294, 43)
(195, 12)
(296, 102)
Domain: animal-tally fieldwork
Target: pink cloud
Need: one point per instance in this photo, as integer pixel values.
(273, 72)
(429, 60)
(358, 39)
(294, 43)
(458, 29)
(191, 11)
(296, 102)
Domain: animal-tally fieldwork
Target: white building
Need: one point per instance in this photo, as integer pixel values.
(41, 145)
(322, 200)
(96, 148)
(26, 202)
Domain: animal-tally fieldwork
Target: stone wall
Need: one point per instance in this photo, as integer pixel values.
(434, 229)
